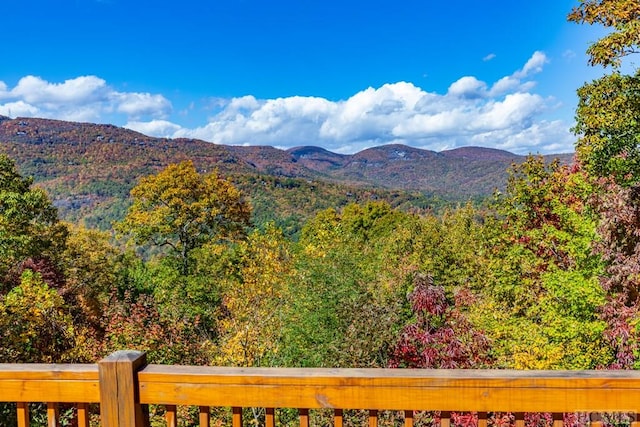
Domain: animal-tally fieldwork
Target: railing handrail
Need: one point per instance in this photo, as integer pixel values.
(393, 389)
(63, 383)
(122, 383)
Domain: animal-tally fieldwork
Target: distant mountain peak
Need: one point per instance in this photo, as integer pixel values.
(474, 152)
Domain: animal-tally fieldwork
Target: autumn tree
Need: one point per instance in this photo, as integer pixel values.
(440, 336)
(253, 299)
(608, 111)
(29, 226)
(35, 324)
(181, 209)
(541, 305)
(621, 16)
(619, 246)
(607, 121)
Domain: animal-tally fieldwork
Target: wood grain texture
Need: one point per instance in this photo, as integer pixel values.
(338, 418)
(397, 389)
(373, 418)
(126, 384)
(304, 417)
(445, 419)
(408, 418)
(119, 403)
(47, 382)
(482, 419)
(171, 415)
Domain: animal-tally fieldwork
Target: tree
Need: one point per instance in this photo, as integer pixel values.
(608, 113)
(608, 122)
(541, 308)
(619, 246)
(35, 324)
(621, 15)
(29, 226)
(182, 209)
(440, 335)
(254, 299)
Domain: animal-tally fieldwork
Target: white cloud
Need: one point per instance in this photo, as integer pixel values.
(489, 57)
(80, 90)
(516, 110)
(533, 66)
(141, 104)
(468, 87)
(4, 90)
(505, 114)
(158, 128)
(84, 98)
(18, 109)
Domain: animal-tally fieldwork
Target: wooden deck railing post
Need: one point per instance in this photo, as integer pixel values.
(119, 401)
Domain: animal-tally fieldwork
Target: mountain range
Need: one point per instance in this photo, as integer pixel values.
(82, 165)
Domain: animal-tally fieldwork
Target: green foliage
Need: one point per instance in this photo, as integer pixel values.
(347, 293)
(542, 306)
(608, 125)
(29, 226)
(35, 324)
(183, 210)
(290, 202)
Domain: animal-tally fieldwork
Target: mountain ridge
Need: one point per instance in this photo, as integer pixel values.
(83, 165)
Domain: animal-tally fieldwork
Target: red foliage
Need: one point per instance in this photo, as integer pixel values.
(440, 336)
(48, 270)
(620, 248)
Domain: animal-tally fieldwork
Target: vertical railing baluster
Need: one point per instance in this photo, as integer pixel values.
(482, 419)
(408, 418)
(338, 418)
(171, 415)
(636, 421)
(445, 419)
(52, 414)
(236, 417)
(304, 417)
(595, 419)
(373, 418)
(83, 415)
(558, 419)
(23, 414)
(519, 419)
(204, 416)
(269, 417)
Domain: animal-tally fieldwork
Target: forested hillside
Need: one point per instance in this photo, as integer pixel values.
(88, 171)
(266, 263)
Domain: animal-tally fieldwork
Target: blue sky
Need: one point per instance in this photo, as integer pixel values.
(344, 75)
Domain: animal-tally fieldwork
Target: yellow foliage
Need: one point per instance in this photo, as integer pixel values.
(252, 324)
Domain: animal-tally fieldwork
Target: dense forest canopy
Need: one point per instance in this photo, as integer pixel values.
(545, 276)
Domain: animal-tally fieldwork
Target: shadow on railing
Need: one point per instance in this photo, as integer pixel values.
(124, 385)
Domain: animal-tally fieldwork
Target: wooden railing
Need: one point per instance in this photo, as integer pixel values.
(123, 385)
